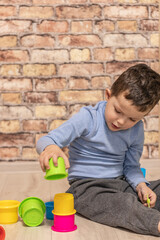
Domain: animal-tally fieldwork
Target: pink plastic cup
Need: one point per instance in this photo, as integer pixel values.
(64, 223)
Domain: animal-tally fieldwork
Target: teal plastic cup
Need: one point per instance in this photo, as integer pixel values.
(32, 211)
(143, 171)
(56, 172)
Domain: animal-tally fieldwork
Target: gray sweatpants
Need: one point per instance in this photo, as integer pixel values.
(114, 203)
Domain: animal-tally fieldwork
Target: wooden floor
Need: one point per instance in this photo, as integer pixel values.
(21, 180)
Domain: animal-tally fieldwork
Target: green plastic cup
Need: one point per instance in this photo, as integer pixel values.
(32, 211)
(56, 172)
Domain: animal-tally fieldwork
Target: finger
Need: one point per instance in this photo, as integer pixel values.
(46, 163)
(55, 158)
(140, 196)
(41, 164)
(67, 164)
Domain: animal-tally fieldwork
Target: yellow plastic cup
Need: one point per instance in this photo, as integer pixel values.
(56, 172)
(64, 204)
(9, 211)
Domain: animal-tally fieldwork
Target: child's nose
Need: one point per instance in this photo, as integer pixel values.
(121, 121)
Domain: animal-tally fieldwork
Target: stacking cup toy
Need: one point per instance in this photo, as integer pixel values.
(49, 209)
(56, 172)
(64, 213)
(2, 233)
(143, 171)
(64, 204)
(64, 223)
(32, 211)
(9, 211)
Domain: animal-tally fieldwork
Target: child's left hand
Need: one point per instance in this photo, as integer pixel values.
(143, 191)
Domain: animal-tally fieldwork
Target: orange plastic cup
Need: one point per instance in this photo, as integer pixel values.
(64, 204)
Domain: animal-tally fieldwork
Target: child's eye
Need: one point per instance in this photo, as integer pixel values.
(133, 120)
(117, 110)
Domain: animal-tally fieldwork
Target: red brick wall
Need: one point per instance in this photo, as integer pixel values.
(58, 55)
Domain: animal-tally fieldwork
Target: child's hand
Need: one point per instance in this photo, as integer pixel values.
(143, 191)
(52, 151)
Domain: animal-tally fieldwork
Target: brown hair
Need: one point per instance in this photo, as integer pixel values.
(140, 84)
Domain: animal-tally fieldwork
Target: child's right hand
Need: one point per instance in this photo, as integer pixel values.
(52, 151)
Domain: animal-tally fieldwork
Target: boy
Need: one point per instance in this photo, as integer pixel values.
(105, 144)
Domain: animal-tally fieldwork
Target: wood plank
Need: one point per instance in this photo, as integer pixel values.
(21, 180)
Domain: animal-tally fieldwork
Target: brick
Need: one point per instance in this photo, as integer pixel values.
(17, 2)
(101, 82)
(78, 83)
(80, 12)
(7, 11)
(14, 56)
(154, 151)
(80, 69)
(76, 1)
(36, 12)
(154, 111)
(50, 56)
(154, 12)
(123, 40)
(50, 84)
(48, 111)
(37, 97)
(152, 123)
(154, 39)
(80, 40)
(81, 26)
(73, 109)
(117, 67)
(145, 153)
(80, 55)
(29, 153)
(149, 1)
(103, 54)
(38, 136)
(148, 53)
(104, 26)
(80, 96)
(7, 152)
(34, 125)
(155, 66)
(151, 137)
(10, 70)
(11, 126)
(15, 26)
(15, 112)
(14, 140)
(126, 1)
(8, 41)
(125, 54)
(11, 98)
(149, 25)
(16, 84)
(39, 70)
(101, 1)
(55, 124)
(53, 26)
(47, 2)
(127, 26)
(126, 12)
(37, 41)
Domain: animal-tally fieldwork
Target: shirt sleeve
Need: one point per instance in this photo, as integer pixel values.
(79, 124)
(131, 168)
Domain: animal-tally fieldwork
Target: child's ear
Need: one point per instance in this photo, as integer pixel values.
(108, 94)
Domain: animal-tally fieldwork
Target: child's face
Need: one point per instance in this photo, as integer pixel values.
(120, 114)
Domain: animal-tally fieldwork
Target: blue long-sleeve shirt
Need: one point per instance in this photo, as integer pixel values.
(94, 150)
